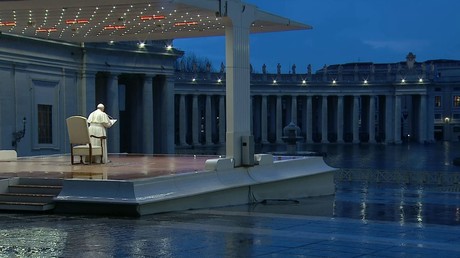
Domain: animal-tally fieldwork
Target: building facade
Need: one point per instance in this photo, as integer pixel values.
(345, 103)
(162, 109)
(43, 82)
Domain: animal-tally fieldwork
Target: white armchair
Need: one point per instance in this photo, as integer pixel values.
(80, 144)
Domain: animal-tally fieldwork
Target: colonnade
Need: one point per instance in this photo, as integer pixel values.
(345, 118)
(141, 103)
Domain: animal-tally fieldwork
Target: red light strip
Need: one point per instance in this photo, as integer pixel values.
(115, 27)
(185, 23)
(8, 23)
(152, 17)
(46, 30)
(79, 21)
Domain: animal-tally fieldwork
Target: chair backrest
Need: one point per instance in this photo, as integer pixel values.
(77, 127)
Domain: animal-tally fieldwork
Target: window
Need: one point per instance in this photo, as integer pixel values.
(45, 125)
(437, 116)
(437, 101)
(457, 101)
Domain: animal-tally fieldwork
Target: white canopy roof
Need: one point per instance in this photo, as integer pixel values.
(126, 20)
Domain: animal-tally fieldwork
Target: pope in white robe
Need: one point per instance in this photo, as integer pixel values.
(99, 121)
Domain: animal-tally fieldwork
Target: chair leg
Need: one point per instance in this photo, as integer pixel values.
(81, 160)
(90, 154)
(71, 155)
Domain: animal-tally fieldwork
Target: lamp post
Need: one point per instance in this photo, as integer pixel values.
(17, 136)
(447, 130)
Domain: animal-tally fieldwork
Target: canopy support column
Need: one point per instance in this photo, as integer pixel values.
(239, 18)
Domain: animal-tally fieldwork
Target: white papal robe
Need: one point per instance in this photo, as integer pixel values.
(98, 123)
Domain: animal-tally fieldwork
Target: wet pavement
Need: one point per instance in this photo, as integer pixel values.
(363, 219)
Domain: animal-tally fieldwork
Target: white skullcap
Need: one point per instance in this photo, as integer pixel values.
(100, 106)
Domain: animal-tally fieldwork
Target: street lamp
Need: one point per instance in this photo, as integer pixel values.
(17, 136)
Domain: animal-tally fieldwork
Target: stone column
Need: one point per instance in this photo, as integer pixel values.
(430, 118)
(195, 120)
(371, 119)
(168, 119)
(309, 122)
(237, 28)
(251, 107)
(422, 119)
(340, 123)
(147, 115)
(294, 109)
(113, 109)
(182, 121)
(221, 119)
(397, 119)
(208, 120)
(279, 120)
(263, 120)
(88, 89)
(324, 116)
(389, 119)
(356, 119)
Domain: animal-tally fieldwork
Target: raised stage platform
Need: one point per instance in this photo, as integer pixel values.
(146, 184)
(120, 167)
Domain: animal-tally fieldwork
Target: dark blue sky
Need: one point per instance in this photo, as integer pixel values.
(346, 31)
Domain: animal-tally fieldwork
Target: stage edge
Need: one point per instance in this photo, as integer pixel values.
(220, 185)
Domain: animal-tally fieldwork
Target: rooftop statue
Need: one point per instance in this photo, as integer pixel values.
(222, 67)
(410, 60)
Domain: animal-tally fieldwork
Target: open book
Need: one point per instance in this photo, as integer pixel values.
(113, 121)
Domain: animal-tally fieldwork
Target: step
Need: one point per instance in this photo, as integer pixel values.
(39, 181)
(26, 197)
(35, 189)
(26, 206)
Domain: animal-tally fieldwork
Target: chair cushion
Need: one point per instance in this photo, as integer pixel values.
(83, 150)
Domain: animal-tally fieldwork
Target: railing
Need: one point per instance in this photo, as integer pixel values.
(304, 79)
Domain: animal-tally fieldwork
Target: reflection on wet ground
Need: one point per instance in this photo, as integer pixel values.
(414, 183)
(405, 211)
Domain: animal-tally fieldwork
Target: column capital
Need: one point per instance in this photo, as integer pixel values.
(149, 76)
(89, 74)
(233, 16)
(114, 74)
